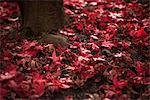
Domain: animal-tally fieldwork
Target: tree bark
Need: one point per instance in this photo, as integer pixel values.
(42, 15)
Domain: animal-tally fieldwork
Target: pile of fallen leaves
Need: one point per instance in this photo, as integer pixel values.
(108, 42)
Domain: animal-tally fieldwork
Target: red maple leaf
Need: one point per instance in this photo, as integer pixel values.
(141, 33)
(54, 57)
(139, 68)
(10, 72)
(3, 92)
(108, 44)
(79, 26)
(119, 84)
(38, 85)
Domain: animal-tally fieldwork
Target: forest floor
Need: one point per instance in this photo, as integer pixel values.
(107, 59)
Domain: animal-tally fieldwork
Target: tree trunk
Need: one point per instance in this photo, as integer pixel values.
(42, 15)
